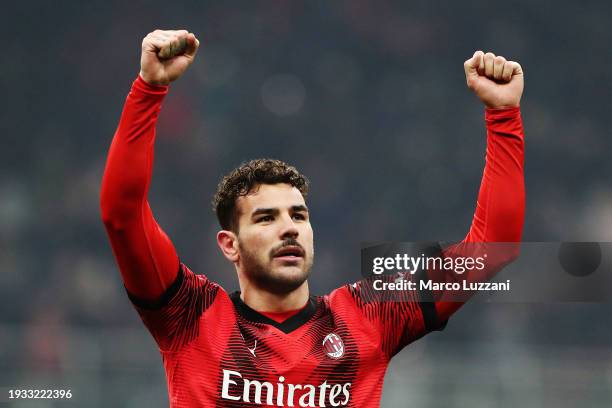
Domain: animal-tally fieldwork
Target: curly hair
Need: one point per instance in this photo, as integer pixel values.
(245, 179)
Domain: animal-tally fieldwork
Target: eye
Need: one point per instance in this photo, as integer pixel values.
(266, 218)
(299, 216)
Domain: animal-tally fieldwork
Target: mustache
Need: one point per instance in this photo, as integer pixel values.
(286, 243)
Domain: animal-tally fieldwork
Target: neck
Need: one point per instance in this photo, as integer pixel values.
(265, 301)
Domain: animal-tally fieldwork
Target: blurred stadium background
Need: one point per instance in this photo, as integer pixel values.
(368, 99)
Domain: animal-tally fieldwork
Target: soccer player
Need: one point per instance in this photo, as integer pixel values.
(273, 343)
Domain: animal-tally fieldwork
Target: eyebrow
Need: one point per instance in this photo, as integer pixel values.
(273, 211)
(299, 208)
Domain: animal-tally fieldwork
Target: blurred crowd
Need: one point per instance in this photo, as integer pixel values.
(366, 98)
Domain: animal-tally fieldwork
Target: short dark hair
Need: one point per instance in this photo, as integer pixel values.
(246, 178)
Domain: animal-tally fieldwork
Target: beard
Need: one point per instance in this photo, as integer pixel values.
(263, 275)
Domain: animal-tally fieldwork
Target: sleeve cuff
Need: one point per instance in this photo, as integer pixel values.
(142, 86)
(494, 114)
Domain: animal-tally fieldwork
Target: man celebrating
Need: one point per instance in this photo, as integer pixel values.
(273, 343)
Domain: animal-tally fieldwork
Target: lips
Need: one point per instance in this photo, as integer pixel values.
(290, 251)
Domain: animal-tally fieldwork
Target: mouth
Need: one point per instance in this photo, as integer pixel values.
(289, 253)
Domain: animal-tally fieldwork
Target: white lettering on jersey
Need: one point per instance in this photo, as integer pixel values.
(335, 395)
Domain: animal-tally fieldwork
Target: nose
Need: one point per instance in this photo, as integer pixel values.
(289, 229)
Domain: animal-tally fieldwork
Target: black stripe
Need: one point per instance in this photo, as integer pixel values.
(164, 299)
(426, 299)
(286, 326)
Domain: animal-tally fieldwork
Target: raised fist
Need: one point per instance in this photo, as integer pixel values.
(166, 55)
(497, 82)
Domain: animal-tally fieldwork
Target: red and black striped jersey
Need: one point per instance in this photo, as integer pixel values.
(219, 352)
(334, 352)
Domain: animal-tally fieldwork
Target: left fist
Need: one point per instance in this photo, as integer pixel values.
(496, 81)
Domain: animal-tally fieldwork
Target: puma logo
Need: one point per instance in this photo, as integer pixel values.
(252, 350)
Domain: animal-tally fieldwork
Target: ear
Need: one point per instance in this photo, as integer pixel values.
(228, 242)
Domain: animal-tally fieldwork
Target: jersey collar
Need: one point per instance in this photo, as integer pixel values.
(286, 326)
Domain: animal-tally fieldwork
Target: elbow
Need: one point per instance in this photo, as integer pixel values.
(109, 214)
(116, 219)
(108, 211)
(507, 241)
(509, 224)
(122, 195)
(115, 212)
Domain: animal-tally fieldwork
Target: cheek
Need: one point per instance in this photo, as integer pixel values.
(256, 242)
(308, 235)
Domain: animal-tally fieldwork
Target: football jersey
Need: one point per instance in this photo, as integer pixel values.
(334, 352)
(218, 352)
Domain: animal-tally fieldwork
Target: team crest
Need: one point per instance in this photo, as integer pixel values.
(333, 346)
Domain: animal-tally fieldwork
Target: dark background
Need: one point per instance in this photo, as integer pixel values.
(368, 99)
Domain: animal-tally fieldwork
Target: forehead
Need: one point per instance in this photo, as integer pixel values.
(270, 196)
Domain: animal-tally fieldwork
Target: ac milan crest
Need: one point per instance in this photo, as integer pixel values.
(333, 346)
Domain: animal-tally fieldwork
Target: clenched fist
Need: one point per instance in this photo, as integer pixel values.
(166, 55)
(497, 82)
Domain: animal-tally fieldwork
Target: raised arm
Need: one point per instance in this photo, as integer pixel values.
(145, 255)
(500, 209)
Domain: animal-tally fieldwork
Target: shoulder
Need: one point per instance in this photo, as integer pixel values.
(344, 298)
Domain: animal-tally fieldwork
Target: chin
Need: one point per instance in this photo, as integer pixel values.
(285, 279)
(289, 271)
(291, 274)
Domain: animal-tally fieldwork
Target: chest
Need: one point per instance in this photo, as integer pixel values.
(329, 359)
(324, 345)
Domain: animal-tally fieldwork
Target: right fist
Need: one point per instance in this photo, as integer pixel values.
(497, 82)
(166, 55)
